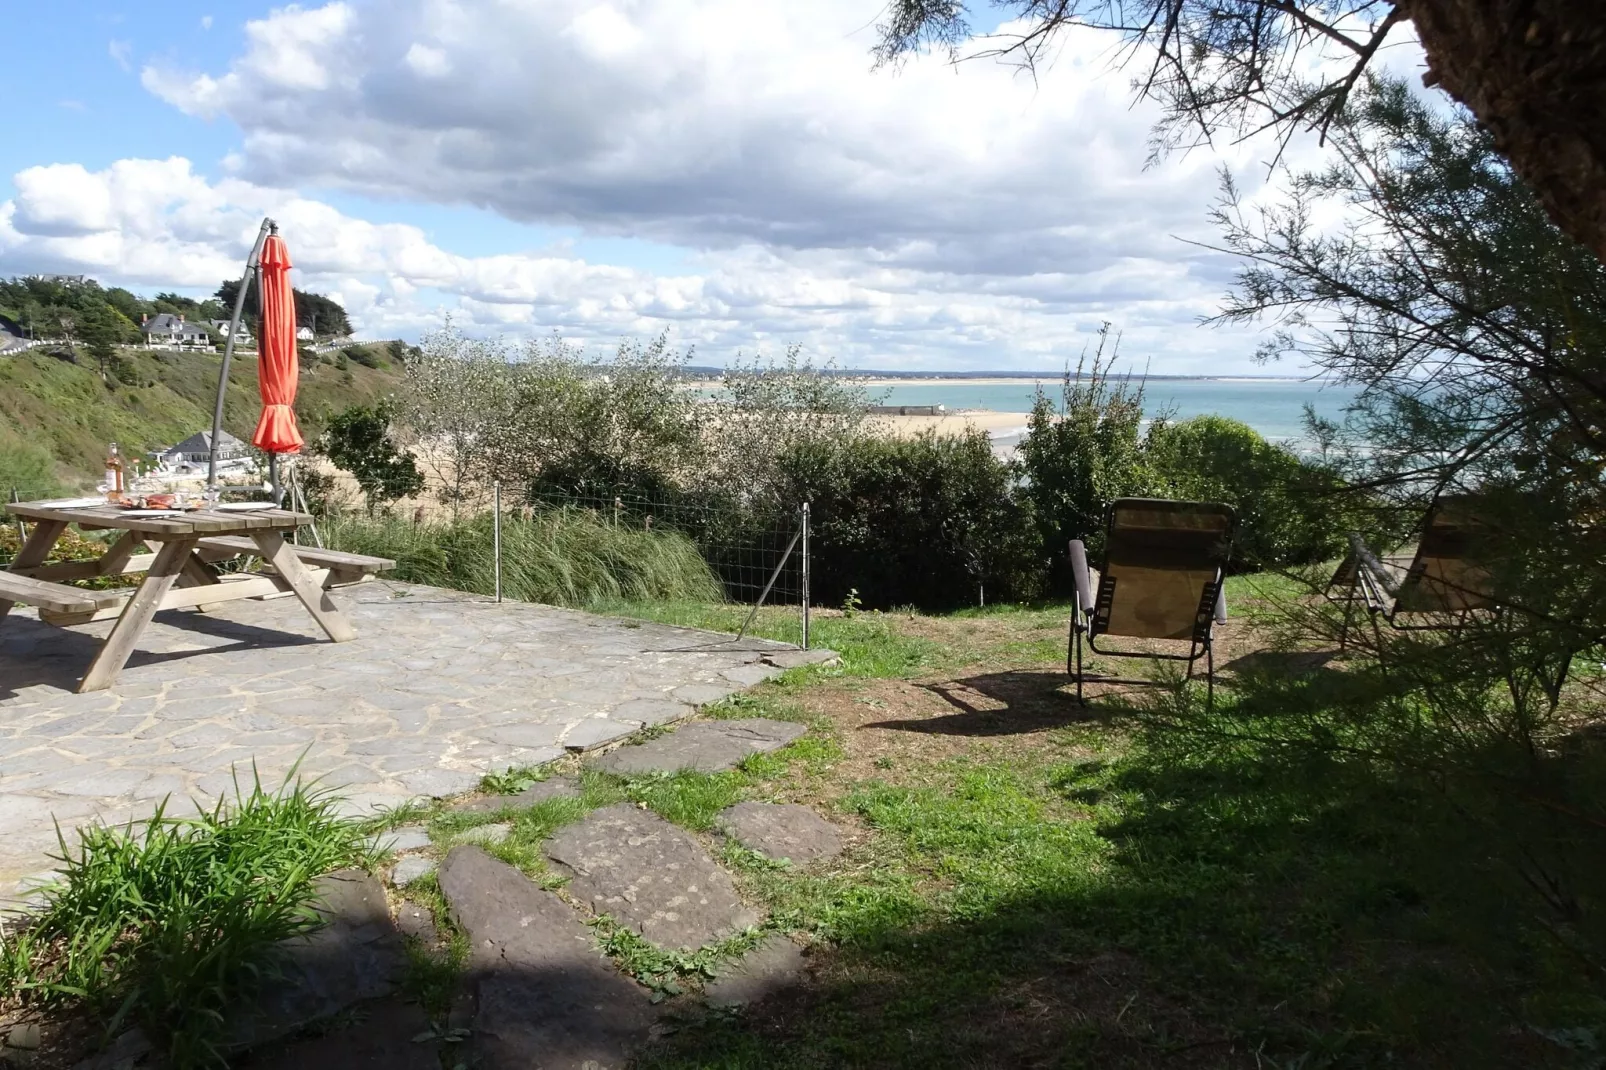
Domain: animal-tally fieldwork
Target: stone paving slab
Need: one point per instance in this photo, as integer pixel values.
(417, 921)
(544, 996)
(704, 747)
(782, 831)
(410, 869)
(650, 875)
(402, 840)
(438, 689)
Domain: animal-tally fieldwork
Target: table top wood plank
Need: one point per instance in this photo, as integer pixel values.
(200, 522)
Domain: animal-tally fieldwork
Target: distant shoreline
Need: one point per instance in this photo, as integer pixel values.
(1011, 380)
(709, 377)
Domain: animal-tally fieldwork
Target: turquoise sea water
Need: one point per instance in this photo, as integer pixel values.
(1274, 407)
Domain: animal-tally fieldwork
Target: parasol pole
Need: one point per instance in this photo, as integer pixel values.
(251, 263)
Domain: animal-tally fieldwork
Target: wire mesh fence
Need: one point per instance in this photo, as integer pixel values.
(747, 549)
(754, 557)
(759, 555)
(15, 529)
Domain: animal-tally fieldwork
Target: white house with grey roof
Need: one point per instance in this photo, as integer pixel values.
(242, 336)
(191, 455)
(167, 331)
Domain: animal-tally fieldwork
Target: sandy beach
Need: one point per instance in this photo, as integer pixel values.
(994, 423)
(873, 384)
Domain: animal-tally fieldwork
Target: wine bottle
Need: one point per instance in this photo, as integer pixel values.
(115, 482)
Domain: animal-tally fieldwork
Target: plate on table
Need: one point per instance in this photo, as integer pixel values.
(242, 507)
(72, 503)
(152, 512)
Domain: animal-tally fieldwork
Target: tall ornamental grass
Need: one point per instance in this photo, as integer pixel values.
(565, 557)
(175, 924)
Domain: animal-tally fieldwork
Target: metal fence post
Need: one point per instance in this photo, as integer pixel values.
(496, 534)
(805, 575)
(22, 532)
(298, 500)
(785, 557)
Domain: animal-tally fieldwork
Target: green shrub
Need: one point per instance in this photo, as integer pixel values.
(1290, 512)
(359, 441)
(361, 355)
(175, 925)
(928, 521)
(565, 556)
(1080, 455)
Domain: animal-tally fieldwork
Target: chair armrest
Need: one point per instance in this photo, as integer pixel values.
(1370, 566)
(1080, 577)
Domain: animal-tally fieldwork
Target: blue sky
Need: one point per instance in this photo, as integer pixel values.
(83, 103)
(615, 168)
(80, 103)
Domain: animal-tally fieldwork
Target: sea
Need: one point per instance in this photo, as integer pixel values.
(1274, 407)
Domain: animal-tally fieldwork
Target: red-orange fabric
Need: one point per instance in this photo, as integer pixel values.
(277, 373)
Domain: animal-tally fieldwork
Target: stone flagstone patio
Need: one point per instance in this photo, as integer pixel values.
(439, 688)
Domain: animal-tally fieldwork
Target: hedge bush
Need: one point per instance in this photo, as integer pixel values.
(930, 521)
(1290, 511)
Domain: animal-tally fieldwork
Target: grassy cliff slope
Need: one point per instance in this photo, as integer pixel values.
(55, 407)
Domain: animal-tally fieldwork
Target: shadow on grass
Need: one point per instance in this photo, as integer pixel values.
(1207, 904)
(1262, 663)
(1015, 702)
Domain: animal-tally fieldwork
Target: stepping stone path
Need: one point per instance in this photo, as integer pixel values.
(545, 996)
(703, 747)
(357, 955)
(650, 875)
(485, 835)
(417, 922)
(782, 831)
(773, 966)
(410, 869)
(402, 840)
(796, 659)
(557, 787)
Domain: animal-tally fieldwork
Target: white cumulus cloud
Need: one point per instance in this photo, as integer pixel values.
(707, 123)
(158, 224)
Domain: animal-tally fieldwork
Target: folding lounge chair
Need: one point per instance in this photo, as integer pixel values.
(1439, 588)
(1163, 574)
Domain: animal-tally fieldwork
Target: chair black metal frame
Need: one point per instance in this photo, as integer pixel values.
(1090, 616)
(1367, 580)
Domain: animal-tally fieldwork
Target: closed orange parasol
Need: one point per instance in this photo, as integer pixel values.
(276, 353)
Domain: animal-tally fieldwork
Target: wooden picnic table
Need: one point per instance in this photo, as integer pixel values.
(176, 576)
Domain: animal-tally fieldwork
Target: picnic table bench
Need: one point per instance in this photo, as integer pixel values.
(343, 569)
(178, 575)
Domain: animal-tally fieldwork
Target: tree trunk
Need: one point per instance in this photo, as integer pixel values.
(1534, 73)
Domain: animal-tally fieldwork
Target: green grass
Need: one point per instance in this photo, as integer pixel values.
(1232, 908)
(1147, 886)
(667, 972)
(1115, 886)
(68, 412)
(566, 557)
(173, 925)
(869, 643)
